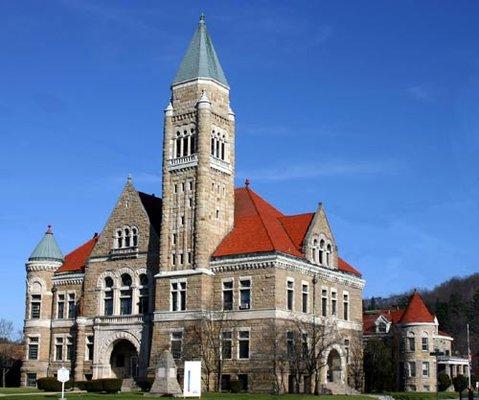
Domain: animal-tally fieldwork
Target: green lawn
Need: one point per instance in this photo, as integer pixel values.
(212, 396)
(9, 390)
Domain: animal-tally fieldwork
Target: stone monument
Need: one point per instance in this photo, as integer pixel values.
(165, 377)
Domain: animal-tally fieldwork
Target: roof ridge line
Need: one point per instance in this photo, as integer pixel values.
(261, 217)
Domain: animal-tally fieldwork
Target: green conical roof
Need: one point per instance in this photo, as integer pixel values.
(47, 249)
(200, 60)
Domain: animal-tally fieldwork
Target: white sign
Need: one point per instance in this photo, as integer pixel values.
(192, 379)
(63, 375)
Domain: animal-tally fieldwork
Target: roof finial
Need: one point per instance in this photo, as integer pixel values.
(202, 18)
(49, 229)
(247, 182)
(129, 178)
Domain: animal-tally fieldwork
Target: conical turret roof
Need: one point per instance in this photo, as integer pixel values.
(200, 60)
(416, 311)
(47, 249)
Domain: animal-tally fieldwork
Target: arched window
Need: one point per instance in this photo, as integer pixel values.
(315, 251)
(328, 255)
(35, 300)
(134, 232)
(411, 341)
(119, 239)
(321, 251)
(108, 297)
(143, 303)
(125, 294)
(127, 238)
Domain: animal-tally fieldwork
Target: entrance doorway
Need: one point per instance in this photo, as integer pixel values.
(124, 360)
(334, 366)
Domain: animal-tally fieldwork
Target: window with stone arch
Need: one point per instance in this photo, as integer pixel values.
(35, 301)
(184, 142)
(108, 296)
(329, 250)
(219, 145)
(411, 341)
(321, 251)
(126, 294)
(143, 295)
(126, 237)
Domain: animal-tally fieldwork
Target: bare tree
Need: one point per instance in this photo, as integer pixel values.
(274, 345)
(10, 349)
(207, 344)
(356, 369)
(312, 340)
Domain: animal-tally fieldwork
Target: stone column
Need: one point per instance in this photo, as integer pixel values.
(201, 254)
(165, 222)
(80, 347)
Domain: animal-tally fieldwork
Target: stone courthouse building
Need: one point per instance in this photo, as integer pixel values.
(206, 248)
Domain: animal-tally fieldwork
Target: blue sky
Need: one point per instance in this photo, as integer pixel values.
(369, 107)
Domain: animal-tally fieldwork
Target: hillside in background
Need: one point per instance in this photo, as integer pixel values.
(454, 302)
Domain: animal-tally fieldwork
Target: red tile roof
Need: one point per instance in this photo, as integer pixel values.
(416, 310)
(370, 317)
(261, 228)
(76, 260)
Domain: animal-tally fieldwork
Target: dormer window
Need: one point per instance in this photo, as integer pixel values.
(321, 252)
(328, 254)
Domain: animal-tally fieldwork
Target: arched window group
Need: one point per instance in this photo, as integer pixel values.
(126, 237)
(184, 143)
(322, 251)
(128, 296)
(218, 145)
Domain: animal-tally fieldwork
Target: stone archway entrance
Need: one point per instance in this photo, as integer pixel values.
(124, 360)
(334, 367)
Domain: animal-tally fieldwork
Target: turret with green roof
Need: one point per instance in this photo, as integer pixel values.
(47, 249)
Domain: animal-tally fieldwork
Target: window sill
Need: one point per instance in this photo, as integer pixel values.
(128, 252)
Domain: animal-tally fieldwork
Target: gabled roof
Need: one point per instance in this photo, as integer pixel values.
(370, 318)
(200, 60)
(47, 249)
(76, 260)
(153, 206)
(416, 310)
(259, 227)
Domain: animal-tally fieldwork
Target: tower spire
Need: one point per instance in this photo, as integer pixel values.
(200, 59)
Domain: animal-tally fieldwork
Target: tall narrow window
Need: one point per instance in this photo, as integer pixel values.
(304, 345)
(290, 295)
(222, 150)
(245, 294)
(33, 342)
(290, 343)
(324, 302)
(176, 344)
(108, 296)
(243, 344)
(125, 294)
(345, 306)
(89, 347)
(71, 305)
(134, 233)
(178, 146)
(346, 349)
(334, 303)
(60, 306)
(35, 304)
(228, 295)
(425, 369)
(411, 340)
(70, 348)
(226, 345)
(212, 146)
(305, 294)
(411, 369)
(119, 239)
(127, 238)
(59, 348)
(425, 342)
(143, 292)
(328, 255)
(321, 251)
(178, 296)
